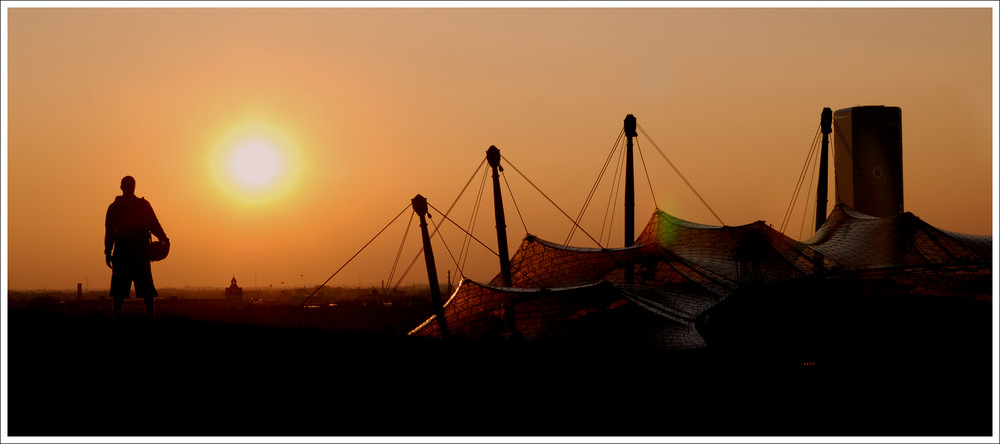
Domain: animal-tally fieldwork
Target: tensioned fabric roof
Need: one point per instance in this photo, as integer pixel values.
(853, 240)
(682, 269)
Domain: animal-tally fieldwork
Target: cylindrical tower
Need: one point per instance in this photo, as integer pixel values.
(868, 159)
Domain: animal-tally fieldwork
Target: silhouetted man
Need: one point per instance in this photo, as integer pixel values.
(127, 226)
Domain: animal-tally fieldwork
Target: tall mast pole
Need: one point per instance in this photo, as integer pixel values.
(420, 207)
(493, 157)
(826, 127)
(629, 194)
(629, 182)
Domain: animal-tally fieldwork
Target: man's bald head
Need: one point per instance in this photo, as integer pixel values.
(128, 185)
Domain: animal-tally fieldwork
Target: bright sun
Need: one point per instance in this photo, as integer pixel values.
(255, 163)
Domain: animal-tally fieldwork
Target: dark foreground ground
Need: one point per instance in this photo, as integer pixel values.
(88, 375)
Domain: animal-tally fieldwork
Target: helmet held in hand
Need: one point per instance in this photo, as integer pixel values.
(158, 250)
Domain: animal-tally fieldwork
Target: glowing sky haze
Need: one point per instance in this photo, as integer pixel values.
(273, 143)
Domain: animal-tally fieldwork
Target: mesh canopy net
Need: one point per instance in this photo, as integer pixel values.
(678, 270)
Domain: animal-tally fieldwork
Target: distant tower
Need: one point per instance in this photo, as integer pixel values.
(868, 159)
(234, 294)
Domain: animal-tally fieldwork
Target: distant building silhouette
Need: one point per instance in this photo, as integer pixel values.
(234, 294)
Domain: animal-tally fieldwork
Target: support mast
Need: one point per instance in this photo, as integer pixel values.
(493, 157)
(629, 182)
(826, 127)
(629, 194)
(420, 207)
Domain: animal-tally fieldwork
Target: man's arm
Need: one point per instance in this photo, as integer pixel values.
(109, 240)
(154, 226)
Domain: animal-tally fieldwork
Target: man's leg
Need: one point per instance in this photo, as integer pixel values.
(121, 283)
(144, 287)
(118, 303)
(149, 306)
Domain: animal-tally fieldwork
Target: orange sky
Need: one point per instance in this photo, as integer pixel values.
(370, 107)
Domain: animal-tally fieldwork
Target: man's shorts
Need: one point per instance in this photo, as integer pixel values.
(125, 273)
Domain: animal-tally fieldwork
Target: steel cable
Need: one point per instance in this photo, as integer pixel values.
(550, 201)
(681, 175)
(527, 276)
(586, 203)
(352, 257)
(798, 183)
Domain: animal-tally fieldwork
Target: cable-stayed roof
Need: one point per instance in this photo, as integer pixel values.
(681, 270)
(857, 241)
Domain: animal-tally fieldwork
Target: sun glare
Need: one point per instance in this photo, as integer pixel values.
(255, 163)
